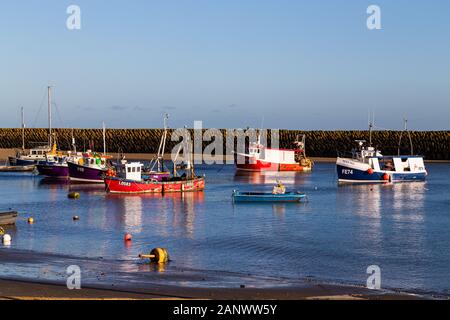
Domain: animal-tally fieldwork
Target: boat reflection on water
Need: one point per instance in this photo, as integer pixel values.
(271, 177)
(183, 207)
(388, 208)
(92, 189)
(52, 183)
(369, 200)
(167, 213)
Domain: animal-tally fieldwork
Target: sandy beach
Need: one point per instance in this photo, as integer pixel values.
(27, 290)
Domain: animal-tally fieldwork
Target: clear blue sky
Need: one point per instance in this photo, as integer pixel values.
(299, 64)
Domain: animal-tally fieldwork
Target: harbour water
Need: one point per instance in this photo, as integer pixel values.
(334, 237)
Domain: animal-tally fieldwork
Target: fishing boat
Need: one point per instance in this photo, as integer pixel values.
(135, 180)
(368, 165)
(267, 197)
(30, 157)
(8, 217)
(90, 167)
(260, 158)
(56, 165)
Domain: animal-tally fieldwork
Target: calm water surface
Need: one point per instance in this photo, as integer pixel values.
(403, 228)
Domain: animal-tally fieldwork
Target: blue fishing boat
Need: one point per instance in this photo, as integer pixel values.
(368, 165)
(267, 197)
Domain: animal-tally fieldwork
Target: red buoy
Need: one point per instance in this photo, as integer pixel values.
(127, 237)
(370, 171)
(385, 177)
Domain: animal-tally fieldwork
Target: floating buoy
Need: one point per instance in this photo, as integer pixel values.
(30, 220)
(385, 177)
(127, 237)
(370, 171)
(76, 218)
(6, 239)
(73, 195)
(159, 255)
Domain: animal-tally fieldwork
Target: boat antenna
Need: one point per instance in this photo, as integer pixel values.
(371, 124)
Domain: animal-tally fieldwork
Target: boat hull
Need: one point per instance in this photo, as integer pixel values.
(85, 174)
(8, 218)
(349, 171)
(270, 166)
(13, 161)
(54, 171)
(257, 165)
(268, 197)
(119, 185)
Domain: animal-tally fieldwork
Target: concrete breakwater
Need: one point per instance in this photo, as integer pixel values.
(434, 145)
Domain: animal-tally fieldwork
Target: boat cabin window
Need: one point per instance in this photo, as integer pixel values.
(387, 164)
(138, 169)
(129, 169)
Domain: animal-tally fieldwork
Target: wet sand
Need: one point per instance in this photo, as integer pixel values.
(106, 279)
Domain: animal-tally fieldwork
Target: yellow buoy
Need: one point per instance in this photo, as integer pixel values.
(73, 195)
(158, 255)
(30, 220)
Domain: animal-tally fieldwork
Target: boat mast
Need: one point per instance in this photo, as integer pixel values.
(371, 121)
(23, 128)
(49, 93)
(405, 129)
(104, 139)
(74, 146)
(161, 156)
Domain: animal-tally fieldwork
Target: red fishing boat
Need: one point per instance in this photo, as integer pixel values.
(133, 179)
(261, 158)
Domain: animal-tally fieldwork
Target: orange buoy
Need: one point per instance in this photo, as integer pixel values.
(127, 237)
(385, 177)
(370, 171)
